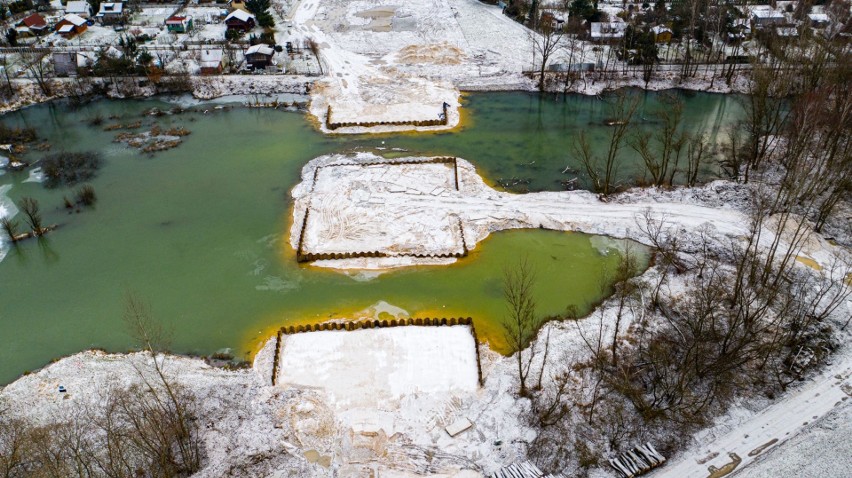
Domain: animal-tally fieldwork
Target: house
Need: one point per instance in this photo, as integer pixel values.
(740, 30)
(111, 13)
(79, 8)
(178, 24)
(606, 31)
(662, 34)
(819, 20)
(35, 23)
(766, 17)
(212, 61)
(237, 5)
(240, 20)
(259, 56)
(556, 22)
(70, 26)
(65, 63)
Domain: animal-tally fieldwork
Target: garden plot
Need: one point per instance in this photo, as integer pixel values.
(349, 210)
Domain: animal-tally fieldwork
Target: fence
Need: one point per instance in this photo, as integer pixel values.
(302, 256)
(442, 121)
(374, 324)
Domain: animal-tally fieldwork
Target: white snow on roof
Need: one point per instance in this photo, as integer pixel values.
(211, 57)
(110, 8)
(239, 15)
(261, 48)
(75, 20)
(661, 29)
(66, 28)
(77, 7)
(767, 13)
(819, 17)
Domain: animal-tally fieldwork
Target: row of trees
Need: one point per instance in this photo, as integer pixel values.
(713, 320)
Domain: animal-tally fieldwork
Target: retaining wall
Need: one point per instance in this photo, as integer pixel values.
(331, 125)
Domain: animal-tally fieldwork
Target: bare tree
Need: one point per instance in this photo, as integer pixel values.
(38, 67)
(661, 149)
(32, 212)
(602, 170)
(545, 42)
(315, 49)
(10, 227)
(171, 440)
(521, 323)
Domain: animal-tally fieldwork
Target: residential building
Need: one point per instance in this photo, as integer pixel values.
(70, 26)
(606, 31)
(240, 20)
(212, 61)
(259, 56)
(179, 24)
(79, 8)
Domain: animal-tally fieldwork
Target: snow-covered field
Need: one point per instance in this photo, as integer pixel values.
(364, 370)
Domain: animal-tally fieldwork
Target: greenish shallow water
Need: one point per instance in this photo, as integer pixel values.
(200, 231)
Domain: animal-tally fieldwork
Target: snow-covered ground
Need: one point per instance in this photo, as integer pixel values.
(771, 427)
(361, 371)
(414, 208)
(401, 63)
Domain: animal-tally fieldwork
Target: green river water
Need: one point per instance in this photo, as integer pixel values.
(199, 232)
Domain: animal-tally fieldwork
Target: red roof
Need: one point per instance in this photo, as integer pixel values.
(34, 20)
(175, 19)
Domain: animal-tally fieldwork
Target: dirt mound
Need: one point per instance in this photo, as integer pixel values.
(439, 54)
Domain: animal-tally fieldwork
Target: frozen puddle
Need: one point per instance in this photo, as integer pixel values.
(371, 368)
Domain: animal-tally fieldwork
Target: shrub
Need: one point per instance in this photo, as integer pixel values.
(86, 195)
(16, 135)
(66, 168)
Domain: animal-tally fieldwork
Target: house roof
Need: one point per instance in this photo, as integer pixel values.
(75, 20)
(177, 20)
(34, 21)
(261, 48)
(77, 7)
(110, 8)
(660, 29)
(766, 13)
(211, 56)
(819, 17)
(239, 15)
(66, 29)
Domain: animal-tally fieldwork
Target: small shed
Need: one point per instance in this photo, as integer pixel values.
(179, 24)
(212, 61)
(70, 26)
(662, 34)
(259, 56)
(767, 16)
(79, 8)
(35, 23)
(240, 20)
